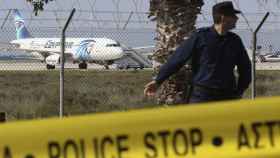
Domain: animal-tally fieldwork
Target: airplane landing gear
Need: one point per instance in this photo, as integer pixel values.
(50, 66)
(107, 63)
(83, 65)
(106, 67)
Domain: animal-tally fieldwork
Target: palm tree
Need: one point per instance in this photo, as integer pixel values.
(175, 20)
(38, 5)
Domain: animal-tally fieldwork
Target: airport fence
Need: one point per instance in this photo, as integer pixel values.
(30, 90)
(28, 85)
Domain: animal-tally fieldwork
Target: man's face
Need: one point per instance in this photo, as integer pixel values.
(229, 21)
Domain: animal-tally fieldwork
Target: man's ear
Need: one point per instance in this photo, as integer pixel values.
(222, 19)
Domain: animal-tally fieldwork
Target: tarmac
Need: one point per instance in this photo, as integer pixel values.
(38, 66)
(268, 66)
(14, 65)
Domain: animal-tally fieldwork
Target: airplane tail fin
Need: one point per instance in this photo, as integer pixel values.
(21, 30)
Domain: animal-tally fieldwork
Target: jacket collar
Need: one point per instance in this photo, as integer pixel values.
(215, 33)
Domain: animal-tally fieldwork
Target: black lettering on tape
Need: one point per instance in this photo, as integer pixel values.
(106, 140)
(7, 152)
(68, 149)
(164, 135)
(117, 144)
(54, 150)
(270, 125)
(180, 136)
(70, 144)
(83, 149)
(121, 147)
(256, 130)
(178, 141)
(95, 147)
(29, 156)
(242, 138)
(149, 140)
(196, 138)
(258, 136)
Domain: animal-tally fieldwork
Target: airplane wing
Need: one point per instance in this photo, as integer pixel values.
(36, 55)
(137, 48)
(42, 55)
(144, 47)
(139, 54)
(5, 46)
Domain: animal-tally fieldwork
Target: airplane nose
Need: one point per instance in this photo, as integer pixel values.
(120, 52)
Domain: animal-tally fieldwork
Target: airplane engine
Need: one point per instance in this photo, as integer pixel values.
(52, 60)
(38, 56)
(260, 59)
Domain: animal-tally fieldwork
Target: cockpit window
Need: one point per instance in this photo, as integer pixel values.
(113, 45)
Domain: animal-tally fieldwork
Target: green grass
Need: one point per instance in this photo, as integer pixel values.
(267, 84)
(28, 95)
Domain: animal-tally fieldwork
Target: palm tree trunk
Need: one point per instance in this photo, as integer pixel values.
(175, 20)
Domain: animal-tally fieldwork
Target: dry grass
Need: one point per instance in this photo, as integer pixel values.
(27, 95)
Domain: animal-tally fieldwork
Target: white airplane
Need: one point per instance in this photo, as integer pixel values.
(271, 57)
(80, 50)
(265, 56)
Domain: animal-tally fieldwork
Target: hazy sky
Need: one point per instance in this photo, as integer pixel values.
(247, 6)
(129, 5)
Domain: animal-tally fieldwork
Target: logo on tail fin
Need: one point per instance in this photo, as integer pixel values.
(21, 31)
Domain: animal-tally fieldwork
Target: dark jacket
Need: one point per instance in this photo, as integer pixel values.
(214, 60)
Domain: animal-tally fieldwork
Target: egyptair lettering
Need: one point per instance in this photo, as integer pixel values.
(53, 44)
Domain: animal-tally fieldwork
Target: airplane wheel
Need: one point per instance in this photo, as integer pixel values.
(50, 66)
(127, 67)
(83, 66)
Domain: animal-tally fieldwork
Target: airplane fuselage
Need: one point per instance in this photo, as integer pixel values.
(85, 49)
(81, 50)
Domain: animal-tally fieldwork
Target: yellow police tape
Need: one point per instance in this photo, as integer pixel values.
(245, 129)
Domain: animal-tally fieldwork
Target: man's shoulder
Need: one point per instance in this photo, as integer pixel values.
(202, 30)
(234, 35)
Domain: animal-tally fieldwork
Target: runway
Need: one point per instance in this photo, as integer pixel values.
(38, 66)
(14, 65)
(268, 66)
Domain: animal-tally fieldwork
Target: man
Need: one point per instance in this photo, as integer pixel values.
(214, 52)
